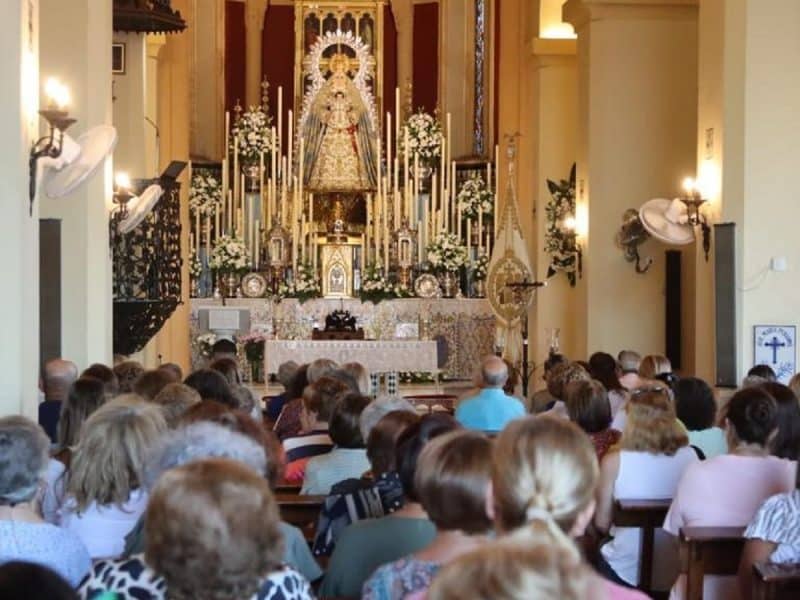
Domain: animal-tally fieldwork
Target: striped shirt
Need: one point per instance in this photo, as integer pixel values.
(302, 448)
(778, 521)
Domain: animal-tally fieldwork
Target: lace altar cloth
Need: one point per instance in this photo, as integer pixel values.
(378, 356)
(465, 324)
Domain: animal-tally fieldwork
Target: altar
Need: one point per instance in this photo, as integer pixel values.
(464, 327)
(377, 356)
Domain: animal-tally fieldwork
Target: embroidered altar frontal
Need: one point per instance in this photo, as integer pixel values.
(465, 327)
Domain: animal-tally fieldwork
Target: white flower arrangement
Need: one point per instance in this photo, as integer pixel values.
(195, 268)
(446, 253)
(229, 255)
(376, 287)
(481, 268)
(305, 286)
(475, 198)
(424, 137)
(253, 135)
(205, 194)
(559, 241)
(204, 343)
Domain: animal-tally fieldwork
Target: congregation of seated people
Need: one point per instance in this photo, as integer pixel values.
(144, 484)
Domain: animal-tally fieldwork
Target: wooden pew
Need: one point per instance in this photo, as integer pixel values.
(648, 515)
(709, 551)
(288, 489)
(301, 511)
(775, 581)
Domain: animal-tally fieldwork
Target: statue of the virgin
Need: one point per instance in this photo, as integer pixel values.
(340, 153)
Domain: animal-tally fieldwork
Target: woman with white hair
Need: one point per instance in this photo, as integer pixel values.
(24, 535)
(106, 497)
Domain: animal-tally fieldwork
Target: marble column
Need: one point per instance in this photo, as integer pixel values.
(637, 122)
(19, 231)
(75, 44)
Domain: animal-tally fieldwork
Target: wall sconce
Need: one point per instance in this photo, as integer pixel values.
(570, 227)
(693, 200)
(122, 193)
(51, 145)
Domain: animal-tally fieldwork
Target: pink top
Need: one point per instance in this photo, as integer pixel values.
(725, 491)
(738, 485)
(620, 592)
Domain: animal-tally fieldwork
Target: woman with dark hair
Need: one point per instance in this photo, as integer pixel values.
(786, 443)
(697, 410)
(348, 458)
(604, 368)
(212, 385)
(104, 374)
(366, 545)
(738, 482)
(589, 408)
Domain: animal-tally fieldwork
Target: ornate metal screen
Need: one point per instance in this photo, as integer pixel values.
(147, 269)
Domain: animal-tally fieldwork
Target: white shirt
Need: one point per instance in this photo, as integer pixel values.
(103, 528)
(55, 490)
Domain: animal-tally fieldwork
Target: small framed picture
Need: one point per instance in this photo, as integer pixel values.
(118, 59)
(774, 345)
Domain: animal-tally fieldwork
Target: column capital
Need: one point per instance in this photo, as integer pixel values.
(543, 47)
(579, 12)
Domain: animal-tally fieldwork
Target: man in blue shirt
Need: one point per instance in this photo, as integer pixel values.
(491, 409)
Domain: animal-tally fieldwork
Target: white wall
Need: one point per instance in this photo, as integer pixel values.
(19, 231)
(76, 47)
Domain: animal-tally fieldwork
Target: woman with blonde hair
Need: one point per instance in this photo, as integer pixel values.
(653, 366)
(105, 479)
(212, 533)
(651, 457)
(543, 483)
(512, 571)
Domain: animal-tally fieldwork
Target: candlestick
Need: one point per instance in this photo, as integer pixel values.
(280, 119)
(389, 161)
(496, 188)
(301, 170)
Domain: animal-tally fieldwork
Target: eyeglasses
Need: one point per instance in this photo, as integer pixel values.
(649, 389)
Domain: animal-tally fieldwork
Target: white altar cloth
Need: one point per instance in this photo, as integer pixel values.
(378, 356)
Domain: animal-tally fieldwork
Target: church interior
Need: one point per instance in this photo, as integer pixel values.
(529, 221)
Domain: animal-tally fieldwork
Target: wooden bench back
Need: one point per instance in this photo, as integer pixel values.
(301, 511)
(775, 581)
(648, 515)
(709, 551)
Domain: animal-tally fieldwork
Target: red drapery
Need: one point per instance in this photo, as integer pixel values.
(426, 56)
(235, 54)
(277, 61)
(389, 59)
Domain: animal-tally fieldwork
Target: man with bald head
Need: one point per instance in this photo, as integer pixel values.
(58, 377)
(491, 409)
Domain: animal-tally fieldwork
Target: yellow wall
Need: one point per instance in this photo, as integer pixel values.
(636, 140)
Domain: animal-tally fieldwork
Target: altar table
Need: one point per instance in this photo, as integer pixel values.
(378, 356)
(465, 325)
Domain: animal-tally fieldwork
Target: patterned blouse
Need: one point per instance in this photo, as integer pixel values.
(778, 521)
(399, 579)
(132, 579)
(603, 440)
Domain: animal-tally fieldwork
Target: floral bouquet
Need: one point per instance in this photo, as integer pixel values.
(305, 286)
(253, 344)
(375, 287)
(195, 268)
(424, 137)
(204, 344)
(481, 268)
(253, 134)
(475, 198)
(559, 240)
(446, 254)
(416, 377)
(205, 194)
(229, 255)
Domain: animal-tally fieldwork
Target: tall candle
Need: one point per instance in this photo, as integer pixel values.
(258, 244)
(197, 224)
(449, 138)
(469, 237)
(290, 147)
(227, 133)
(216, 223)
(419, 243)
(208, 233)
(301, 172)
(389, 161)
(480, 230)
(236, 169)
(280, 119)
(367, 230)
(397, 115)
(496, 188)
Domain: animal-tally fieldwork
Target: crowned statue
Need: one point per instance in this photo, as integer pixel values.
(340, 154)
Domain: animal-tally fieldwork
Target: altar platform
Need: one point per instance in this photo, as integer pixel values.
(464, 326)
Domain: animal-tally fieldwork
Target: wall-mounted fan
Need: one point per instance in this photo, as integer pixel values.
(78, 161)
(138, 207)
(667, 221)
